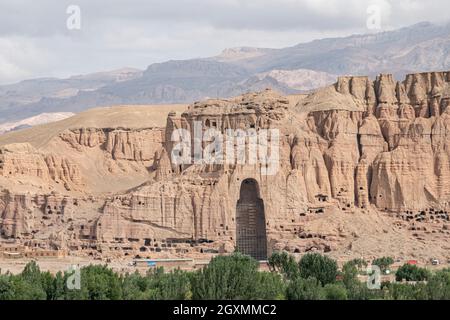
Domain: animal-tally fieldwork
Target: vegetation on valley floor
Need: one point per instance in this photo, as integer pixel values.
(314, 277)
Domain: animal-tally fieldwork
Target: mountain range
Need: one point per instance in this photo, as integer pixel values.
(296, 69)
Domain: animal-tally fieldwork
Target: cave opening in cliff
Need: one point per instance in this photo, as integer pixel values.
(251, 238)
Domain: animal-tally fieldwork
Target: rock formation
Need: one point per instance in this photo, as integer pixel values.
(357, 160)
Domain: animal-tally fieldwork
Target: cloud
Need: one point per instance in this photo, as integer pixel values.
(16, 58)
(34, 40)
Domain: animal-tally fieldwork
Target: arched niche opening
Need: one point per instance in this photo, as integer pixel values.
(251, 237)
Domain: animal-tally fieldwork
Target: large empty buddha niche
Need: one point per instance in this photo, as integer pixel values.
(250, 222)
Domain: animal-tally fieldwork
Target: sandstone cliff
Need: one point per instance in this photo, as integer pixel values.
(363, 166)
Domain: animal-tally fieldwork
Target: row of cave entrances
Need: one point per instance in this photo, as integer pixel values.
(251, 237)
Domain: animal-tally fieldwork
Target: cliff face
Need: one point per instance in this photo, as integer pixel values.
(137, 145)
(391, 153)
(412, 117)
(23, 160)
(375, 153)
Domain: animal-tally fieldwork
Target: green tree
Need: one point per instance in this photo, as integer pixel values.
(349, 273)
(135, 287)
(304, 289)
(6, 288)
(228, 277)
(270, 286)
(28, 285)
(355, 289)
(358, 263)
(59, 285)
(285, 264)
(383, 263)
(411, 273)
(320, 267)
(97, 283)
(225, 278)
(404, 291)
(438, 285)
(168, 286)
(48, 285)
(26, 290)
(335, 291)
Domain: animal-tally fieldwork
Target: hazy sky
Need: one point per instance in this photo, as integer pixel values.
(35, 40)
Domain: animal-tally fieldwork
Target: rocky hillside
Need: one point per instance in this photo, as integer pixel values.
(363, 172)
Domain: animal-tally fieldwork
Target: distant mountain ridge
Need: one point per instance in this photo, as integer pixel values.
(301, 68)
(423, 46)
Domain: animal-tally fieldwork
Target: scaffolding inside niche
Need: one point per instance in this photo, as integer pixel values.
(251, 236)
